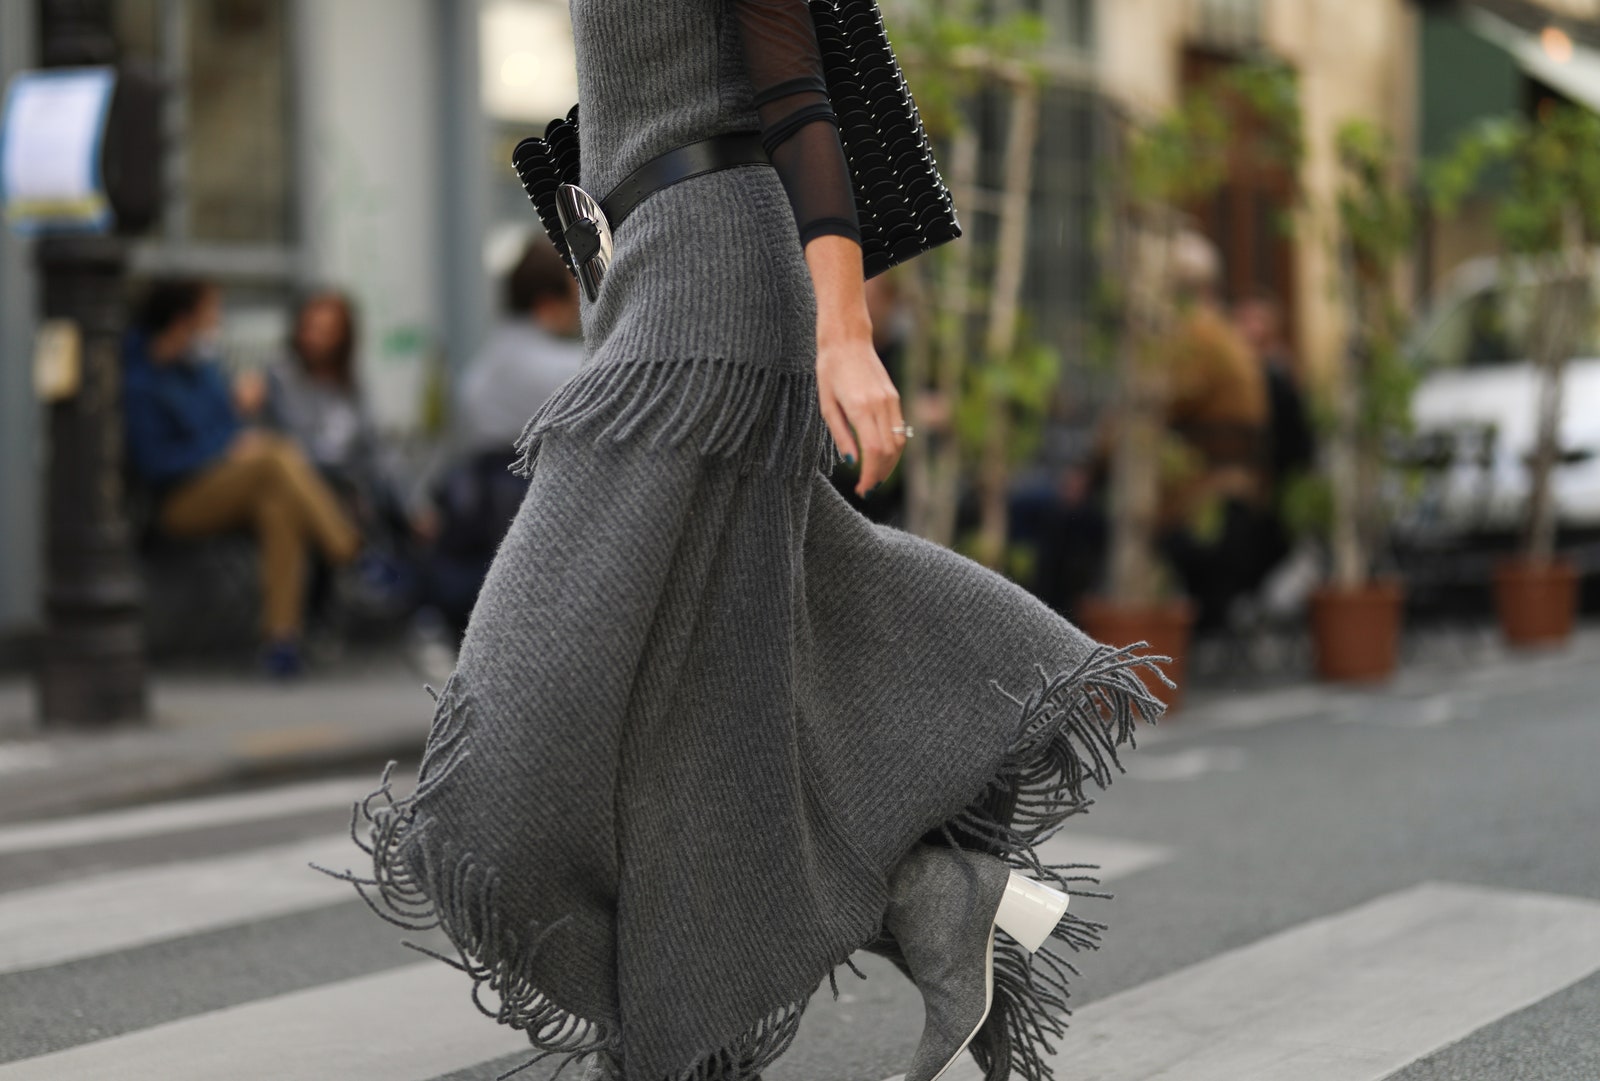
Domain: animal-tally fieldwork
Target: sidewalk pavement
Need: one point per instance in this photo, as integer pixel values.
(213, 731)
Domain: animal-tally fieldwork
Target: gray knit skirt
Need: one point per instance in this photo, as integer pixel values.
(701, 710)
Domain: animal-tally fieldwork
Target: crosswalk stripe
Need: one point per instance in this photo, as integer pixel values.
(346, 1030)
(178, 815)
(1186, 765)
(47, 925)
(1116, 858)
(304, 1034)
(123, 909)
(21, 757)
(1353, 997)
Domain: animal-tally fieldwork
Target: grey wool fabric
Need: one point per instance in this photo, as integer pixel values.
(703, 707)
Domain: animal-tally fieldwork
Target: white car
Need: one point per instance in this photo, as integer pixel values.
(1477, 408)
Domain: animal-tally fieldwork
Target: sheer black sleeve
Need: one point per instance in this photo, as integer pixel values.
(797, 122)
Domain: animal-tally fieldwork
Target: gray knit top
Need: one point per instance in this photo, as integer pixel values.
(705, 324)
(692, 258)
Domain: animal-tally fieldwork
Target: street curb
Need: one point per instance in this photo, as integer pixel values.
(129, 784)
(171, 767)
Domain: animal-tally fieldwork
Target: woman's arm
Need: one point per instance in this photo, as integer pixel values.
(858, 400)
(855, 391)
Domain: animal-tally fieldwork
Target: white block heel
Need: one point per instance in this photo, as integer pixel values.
(1029, 911)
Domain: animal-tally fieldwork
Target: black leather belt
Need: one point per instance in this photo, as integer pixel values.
(588, 223)
(696, 159)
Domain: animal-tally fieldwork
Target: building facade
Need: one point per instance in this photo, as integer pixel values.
(1352, 60)
(359, 144)
(365, 144)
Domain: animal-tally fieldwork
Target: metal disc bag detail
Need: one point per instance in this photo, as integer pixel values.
(544, 165)
(902, 203)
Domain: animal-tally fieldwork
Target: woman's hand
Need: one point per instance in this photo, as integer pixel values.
(860, 405)
(249, 393)
(859, 401)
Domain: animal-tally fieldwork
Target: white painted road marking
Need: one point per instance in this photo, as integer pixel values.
(20, 757)
(178, 815)
(1350, 997)
(340, 1030)
(1185, 765)
(1430, 711)
(121, 909)
(1116, 859)
(311, 1035)
(1353, 997)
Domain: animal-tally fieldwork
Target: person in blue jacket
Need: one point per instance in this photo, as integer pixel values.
(190, 443)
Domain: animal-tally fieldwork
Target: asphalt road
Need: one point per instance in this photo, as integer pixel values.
(1309, 885)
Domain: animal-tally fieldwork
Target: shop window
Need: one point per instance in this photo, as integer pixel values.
(229, 149)
(1226, 24)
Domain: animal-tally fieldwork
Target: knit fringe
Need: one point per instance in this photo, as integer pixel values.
(458, 895)
(1068, 735)
(1070, 729)
(767, 418)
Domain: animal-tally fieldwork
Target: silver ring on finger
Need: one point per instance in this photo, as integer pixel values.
(904, 429)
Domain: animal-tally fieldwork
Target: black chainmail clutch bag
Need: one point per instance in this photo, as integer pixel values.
(543, 165)
(902, 204)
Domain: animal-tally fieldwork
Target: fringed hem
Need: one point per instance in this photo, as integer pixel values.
(492, 955)
(1069, 732)
(768, 418)
(1068, 735)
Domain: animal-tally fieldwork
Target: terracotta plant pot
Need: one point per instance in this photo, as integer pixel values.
(1537, 603)
(1165, 625)
(1356, 632)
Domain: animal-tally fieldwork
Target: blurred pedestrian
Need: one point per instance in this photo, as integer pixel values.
(1215, 512)
(532, 350)
(211, 473)
(313, 393)
(314, 397)
(1214, 525)
(1292, 441)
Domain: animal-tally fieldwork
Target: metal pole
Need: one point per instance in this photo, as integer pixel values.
(92, 669)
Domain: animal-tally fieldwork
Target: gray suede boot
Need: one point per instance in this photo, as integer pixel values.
(941, 912)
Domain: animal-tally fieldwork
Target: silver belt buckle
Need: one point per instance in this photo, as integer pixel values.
(587, 233)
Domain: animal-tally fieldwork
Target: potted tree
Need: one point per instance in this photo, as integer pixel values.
(1356, 615)
(1161, 166)
(1547, 219)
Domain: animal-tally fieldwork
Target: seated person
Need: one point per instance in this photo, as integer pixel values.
(210, 473)
(314, 397)
(1213, 502)
(535, 348)
(1291, 439)
(1216, 513)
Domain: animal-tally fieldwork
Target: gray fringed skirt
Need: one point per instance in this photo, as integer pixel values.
(701, 710)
